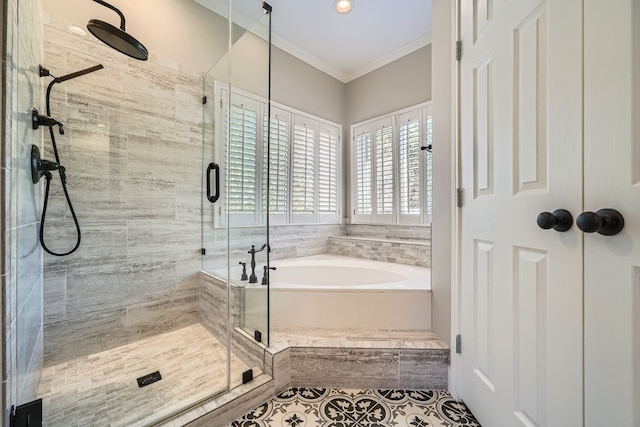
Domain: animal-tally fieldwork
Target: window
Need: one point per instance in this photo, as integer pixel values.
(391, 175)
(298, 153)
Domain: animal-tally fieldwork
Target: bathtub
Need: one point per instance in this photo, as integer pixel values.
(330, 291)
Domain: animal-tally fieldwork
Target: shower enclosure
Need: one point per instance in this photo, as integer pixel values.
(148, 317)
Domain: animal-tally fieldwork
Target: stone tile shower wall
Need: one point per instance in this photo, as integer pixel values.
(133, 154)
(21, 254)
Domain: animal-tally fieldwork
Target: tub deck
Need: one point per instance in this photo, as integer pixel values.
(357, 338)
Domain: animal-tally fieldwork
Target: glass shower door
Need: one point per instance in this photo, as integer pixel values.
(235, 225)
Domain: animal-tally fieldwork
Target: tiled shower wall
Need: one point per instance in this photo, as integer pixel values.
(133, 154)
(22, 257)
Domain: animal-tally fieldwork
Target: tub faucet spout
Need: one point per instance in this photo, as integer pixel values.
(253, 278)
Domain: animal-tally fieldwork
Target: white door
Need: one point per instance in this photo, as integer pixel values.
(612, 180)
(521, 154)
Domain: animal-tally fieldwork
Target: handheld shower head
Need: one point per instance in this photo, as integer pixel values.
(117, 38)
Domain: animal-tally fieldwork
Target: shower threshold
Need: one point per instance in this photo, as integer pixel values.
(101, 389)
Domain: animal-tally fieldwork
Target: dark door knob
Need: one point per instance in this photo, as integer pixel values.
(607, 222)
(560, 220)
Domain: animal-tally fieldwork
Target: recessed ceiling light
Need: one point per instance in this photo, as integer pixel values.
(77, 30)
(343, 6)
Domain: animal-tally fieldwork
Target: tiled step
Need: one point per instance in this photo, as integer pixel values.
(401, 251)
(365, 359)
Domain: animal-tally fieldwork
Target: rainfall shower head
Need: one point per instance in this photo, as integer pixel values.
(117, 38)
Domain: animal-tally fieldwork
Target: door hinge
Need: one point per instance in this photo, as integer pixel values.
(204, 100)
(459, 194)
(458, 50)
(27, 415)
(458, 344)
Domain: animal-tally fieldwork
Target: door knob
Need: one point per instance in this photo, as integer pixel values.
(560, 220)
(607, 222)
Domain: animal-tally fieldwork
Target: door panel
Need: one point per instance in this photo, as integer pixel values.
(521, 136)
(612, 308)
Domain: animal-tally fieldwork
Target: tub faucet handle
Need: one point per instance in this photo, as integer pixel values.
(265, 275)
(244, 271)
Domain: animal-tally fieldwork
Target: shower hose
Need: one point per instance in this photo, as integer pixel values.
(63, 180)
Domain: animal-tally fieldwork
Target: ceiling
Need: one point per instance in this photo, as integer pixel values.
(372, 34)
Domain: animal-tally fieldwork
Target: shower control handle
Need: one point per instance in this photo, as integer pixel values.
(216, 168)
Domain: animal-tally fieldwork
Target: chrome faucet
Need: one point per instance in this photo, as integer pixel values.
(253, 278)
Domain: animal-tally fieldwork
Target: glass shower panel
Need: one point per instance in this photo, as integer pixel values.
(248, 185)
(235, 229)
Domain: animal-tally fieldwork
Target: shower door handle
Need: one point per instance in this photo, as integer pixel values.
(215, 167)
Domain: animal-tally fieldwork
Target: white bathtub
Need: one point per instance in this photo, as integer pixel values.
(330, 291)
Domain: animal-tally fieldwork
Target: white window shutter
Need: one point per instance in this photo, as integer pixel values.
(428, 119)
(241, 156)
(278, 191)
(384, 171)
(303, 176)
(410, 180)
(362, 175)
(328, 164)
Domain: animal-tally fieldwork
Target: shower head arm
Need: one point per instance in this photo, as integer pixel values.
(115, 9)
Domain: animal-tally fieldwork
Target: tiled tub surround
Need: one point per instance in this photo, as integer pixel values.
(286, 241)
(21, 260)
(401, 244)
(213, 314)
(133, 155)
(365, 358)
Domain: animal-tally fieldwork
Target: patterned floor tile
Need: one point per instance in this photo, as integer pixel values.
(320, 407)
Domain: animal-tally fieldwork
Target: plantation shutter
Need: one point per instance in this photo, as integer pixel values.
(303, 180)
(328, 162)
(241, 158)
(362, 176)
(409, 160)
(429, 162)
(384, 171)
(278, 191)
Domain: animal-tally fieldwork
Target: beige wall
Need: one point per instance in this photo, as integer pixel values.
(400, 84)
(443, 154)
(301, 86)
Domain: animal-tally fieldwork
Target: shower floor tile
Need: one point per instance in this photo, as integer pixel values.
(101, 389)
(306, 407)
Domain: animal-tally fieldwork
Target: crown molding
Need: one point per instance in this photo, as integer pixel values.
(315, 62)
(390, 57)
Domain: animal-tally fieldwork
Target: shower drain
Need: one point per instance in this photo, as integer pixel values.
(149, 379)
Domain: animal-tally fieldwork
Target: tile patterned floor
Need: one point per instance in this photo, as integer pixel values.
(306, 407)
(101, 389)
